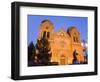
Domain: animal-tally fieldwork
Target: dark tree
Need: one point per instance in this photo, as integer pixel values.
(75, 58)
(31, 53)
(44, 51)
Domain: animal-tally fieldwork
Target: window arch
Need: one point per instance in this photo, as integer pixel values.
(75, 38)
(48, 34)
(44, 34)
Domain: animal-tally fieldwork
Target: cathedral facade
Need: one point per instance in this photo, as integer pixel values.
(64, 44)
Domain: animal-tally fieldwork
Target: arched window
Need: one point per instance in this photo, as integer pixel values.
(46, 27)
(75, 38)
(48, 34)
(44, 34)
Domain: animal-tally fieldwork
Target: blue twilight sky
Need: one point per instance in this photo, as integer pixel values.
(34, 22)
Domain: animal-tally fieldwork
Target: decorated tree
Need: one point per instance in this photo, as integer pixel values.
(43, 51)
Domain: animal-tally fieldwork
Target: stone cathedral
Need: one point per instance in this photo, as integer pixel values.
(63, 43)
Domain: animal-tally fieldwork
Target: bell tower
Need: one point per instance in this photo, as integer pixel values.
(46, 29)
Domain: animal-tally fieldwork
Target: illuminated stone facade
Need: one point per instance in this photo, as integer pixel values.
(63, 43)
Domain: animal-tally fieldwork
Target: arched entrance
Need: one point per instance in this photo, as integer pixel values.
(62, 60)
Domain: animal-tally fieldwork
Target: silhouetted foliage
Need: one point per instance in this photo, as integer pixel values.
(43, 49)
(75, 58)
(31, 52)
